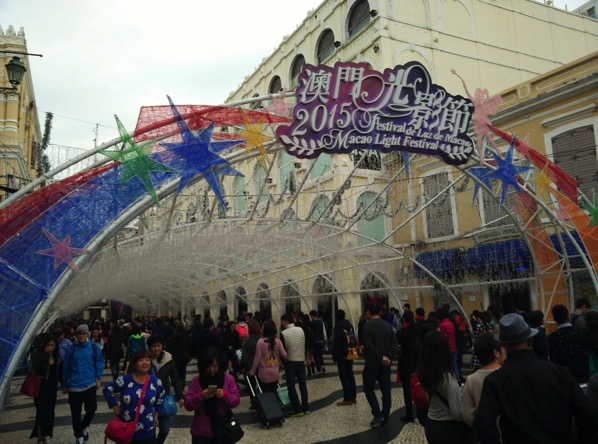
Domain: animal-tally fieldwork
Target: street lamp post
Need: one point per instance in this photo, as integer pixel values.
(15, 70)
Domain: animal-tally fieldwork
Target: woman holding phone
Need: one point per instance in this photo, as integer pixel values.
(213, 392)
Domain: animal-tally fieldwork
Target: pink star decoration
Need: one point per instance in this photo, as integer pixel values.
(62, 251)
(279, 107)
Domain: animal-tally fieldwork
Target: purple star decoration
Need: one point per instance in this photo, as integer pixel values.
(62, 251)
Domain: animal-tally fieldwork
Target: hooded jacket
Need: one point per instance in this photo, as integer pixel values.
(82, 366)
(166, 372)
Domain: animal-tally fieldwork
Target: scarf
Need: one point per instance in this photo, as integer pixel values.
(206, 380)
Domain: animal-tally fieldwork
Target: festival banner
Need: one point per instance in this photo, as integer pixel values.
(350, 106)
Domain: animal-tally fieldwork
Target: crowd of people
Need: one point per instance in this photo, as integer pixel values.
(525, 385)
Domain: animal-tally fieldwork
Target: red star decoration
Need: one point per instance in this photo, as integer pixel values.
(62, 251)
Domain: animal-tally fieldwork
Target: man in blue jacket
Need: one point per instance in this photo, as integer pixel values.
(81, 377)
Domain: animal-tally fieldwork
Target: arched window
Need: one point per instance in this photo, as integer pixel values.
(241, 301)
(372, 159)
(322, 165)
(296, 69)
(359, 17)
(275, 85)
(286, 166)
(371, 221)
(221, 209)
(325, 45)
(191, 210)
(259, 183)
(263, 295)
(239, 193)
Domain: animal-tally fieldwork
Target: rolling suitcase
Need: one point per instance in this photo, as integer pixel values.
(266, 404)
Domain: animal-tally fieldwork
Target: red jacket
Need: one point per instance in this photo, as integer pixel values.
(448, 328)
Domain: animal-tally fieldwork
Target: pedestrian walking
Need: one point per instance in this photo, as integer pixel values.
(81, 378)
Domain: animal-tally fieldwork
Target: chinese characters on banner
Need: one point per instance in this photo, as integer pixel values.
(350, 106)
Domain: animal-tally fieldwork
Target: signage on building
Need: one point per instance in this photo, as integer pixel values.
(350, 106)
(496, 234)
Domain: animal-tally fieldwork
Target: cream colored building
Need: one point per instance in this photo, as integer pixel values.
(364, 225)
(20, 131)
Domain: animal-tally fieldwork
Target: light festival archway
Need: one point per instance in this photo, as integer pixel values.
(59, 250)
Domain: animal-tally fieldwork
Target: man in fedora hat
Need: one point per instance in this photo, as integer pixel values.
(535, 401)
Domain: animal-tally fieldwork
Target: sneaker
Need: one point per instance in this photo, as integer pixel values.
(354, 401)
(384, 422)
(296, 415)
(323, 370)
(85, 434)
(306, 412)
(344, 402)
(80, 440)
(376, 421)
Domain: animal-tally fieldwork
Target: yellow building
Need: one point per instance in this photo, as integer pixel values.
(20, 133)
(343, 230)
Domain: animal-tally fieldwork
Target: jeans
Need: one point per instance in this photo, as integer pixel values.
(76, 401)
(371, 374)
(295, 371)
(164, 428)
(345, 373)
(319, 355)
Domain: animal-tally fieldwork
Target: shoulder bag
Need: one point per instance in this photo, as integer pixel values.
(32, 384)
(227, 430)
(169, 407)
(121, 432)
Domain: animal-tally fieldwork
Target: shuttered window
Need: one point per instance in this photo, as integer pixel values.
(575, 152)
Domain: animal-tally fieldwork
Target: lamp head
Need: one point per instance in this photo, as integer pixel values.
(15, 69)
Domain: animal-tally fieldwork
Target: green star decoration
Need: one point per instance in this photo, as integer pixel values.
(593, 210)
(136, 161)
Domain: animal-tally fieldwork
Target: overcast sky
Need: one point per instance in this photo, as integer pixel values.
(106, 57)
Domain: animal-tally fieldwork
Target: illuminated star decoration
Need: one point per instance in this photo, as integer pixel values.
(481, 174)
(255, 138)
(562, 213)
(62, 251)
(199, 155)
(593, 210)
(136, 161)
(279, 107)
(507, 172)
(542, 180)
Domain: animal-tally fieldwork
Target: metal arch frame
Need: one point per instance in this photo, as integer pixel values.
(110, 230)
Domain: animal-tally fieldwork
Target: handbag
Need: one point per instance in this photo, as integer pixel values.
(227, 429)
(283, 396)
(169, 407)
(417, 393)
(32, 384)
(121, 432)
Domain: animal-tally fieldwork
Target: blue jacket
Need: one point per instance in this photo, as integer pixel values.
(79, 370)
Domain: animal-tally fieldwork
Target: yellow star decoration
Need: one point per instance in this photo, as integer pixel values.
(255, 138)
(542, 181)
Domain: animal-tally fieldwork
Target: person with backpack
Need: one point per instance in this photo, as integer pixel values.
(81, 378)
(344, 357)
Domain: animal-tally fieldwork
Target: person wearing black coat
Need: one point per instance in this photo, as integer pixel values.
(180, 346)
(406, 337)
(345, 367)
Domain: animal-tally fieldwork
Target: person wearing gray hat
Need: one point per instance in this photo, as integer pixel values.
(81, 377)
(535, 401)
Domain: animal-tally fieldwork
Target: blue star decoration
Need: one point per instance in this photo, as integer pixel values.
(481, 174)
(199, 155)
(506, 172)
(136, 161)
